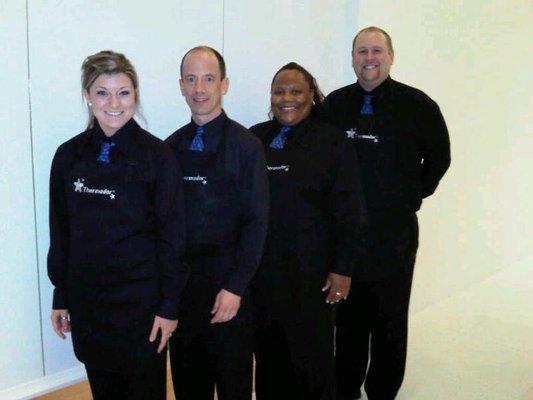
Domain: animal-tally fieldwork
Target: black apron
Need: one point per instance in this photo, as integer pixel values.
(377, 150)
(391, 241)
(212, 215)
(112, 276)
(211, 202)
(296, 259)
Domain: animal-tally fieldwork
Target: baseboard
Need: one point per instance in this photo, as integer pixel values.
(46, 384)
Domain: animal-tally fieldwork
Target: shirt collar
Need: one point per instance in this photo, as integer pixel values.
(211, 136)
(295, 134)
(377, 91)
(294, 128)
(121, 138)
(212, 127)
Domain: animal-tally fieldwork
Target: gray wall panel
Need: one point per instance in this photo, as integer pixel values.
(20, 334)
(261, 37)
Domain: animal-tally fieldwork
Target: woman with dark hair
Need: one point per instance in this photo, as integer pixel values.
(301, 74)
(316, 211)
(116, 236)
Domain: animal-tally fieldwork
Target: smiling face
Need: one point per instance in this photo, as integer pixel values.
(371, 59)
(113, 101)
(291, 97)
(202, 85)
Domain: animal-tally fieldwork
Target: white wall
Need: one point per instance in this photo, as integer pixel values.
(20, 330)
(256, 39)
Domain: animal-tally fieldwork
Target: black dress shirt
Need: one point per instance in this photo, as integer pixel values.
(403, 148)
(329, 206)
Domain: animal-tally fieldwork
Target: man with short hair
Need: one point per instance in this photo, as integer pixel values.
(226, 204)
(403, 148)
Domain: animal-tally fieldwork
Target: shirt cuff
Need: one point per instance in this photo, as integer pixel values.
(167, 309)
(235, 286)
(59, 300)
(343, 267)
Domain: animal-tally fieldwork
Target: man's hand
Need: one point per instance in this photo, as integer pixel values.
(60, 322)
(166, 326)
(338, 286)
(226, 306)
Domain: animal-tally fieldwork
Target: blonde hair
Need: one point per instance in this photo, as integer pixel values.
(107, 62)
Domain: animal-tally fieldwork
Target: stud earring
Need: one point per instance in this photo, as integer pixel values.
(90, 104)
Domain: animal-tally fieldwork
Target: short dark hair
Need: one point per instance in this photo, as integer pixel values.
(374, 29)
(220, 59)
(318, 96)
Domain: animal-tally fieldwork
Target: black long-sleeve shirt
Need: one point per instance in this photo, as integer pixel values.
(403, 149)
(330, 182)
(245, 160)
(144, 237)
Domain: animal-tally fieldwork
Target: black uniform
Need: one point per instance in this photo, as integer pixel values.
(316, 210)
(116, 237)
(404, 150)
(226, 197)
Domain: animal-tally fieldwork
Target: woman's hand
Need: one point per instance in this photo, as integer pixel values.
(226, 306)
(60, 322)
(338, 286)
(166, 326)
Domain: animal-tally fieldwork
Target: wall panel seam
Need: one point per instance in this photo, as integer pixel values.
(33, 185)
(223, 26)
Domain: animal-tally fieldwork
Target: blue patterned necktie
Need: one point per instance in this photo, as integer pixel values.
(197, 143)
(105, 149)
(279, 140)
(367, 108)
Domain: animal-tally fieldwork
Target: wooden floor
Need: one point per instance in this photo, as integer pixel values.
(81, 391)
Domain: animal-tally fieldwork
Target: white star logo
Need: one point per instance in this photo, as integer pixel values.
(351, 133)
(78, 185)
(112, 196)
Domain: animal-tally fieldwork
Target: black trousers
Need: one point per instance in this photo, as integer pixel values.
(295, 368)
(205, 355)
(294, 350)
(371, 335)
(149, 384)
